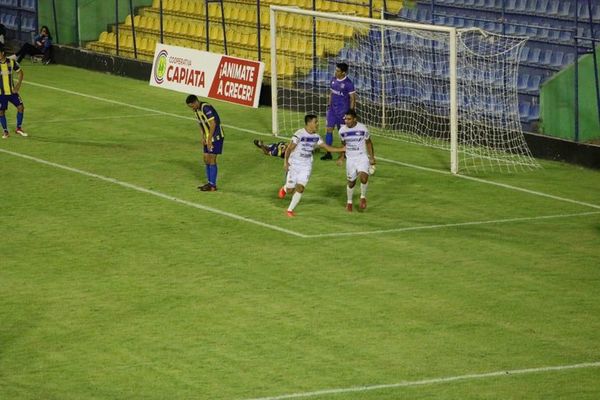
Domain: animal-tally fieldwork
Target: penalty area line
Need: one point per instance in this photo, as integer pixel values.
(425, 382)
(157, 194)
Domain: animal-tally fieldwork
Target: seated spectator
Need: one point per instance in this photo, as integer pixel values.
(42, 45)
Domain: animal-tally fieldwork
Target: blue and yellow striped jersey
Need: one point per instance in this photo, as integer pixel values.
(204, 115)
(6, 72)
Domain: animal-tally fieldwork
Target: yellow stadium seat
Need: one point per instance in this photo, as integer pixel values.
(128, 20)
(176, 7)
(103, 37)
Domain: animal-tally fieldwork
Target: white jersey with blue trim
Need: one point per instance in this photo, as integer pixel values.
(306, 143)
(355, 139)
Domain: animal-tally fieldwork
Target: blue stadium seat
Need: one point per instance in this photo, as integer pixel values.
(520, 6)
(524, 54)
(522, 82)
(533, 83)
(538, 7)
(524, 110)
(545, 57)
(566, 9)
(552, 8)
(534, 56)
(557, 58)
(534, 113)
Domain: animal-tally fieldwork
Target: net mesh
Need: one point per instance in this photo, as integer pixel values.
(402, 80)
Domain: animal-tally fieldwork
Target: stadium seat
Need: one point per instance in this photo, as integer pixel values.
(533, 83)
(552, 8)
(557, 58)
(522, 82)
(534, 113)
(524, 110)
(534, 56)
(566, 9)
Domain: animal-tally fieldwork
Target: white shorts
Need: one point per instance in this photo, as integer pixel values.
(355, 165)
(298, 175)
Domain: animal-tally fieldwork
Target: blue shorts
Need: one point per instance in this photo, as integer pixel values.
(335, 118)
(217, 142)
(217, 147)
(13, 98)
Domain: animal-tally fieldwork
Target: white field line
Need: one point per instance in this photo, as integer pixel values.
(93, 118)
(433, 381)
(503, 185)
(120, 103)
(458, 224)
(158, 194)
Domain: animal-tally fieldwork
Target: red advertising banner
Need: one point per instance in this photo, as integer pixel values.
(235, 81)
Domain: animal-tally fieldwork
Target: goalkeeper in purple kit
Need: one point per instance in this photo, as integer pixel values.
(341, 99)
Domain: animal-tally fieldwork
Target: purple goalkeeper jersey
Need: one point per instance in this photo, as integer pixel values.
(340, 94)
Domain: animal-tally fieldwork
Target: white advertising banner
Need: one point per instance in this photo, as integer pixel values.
(205, 74)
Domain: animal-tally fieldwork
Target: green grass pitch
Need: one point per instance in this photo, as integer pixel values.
(120, 280)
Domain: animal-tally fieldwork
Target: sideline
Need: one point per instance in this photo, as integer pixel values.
(431, 381)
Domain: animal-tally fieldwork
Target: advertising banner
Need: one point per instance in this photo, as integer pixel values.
(205, 74)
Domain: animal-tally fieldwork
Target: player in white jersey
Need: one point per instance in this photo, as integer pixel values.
(299, 158)
(359, 155)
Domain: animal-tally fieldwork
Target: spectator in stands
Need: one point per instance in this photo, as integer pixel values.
(42, 45)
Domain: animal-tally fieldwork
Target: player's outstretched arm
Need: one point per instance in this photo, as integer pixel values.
(332, 149)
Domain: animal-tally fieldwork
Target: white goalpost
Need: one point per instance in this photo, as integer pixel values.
(432, 85)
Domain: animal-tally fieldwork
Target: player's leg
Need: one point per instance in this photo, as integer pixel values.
(363, 175)
(259, 143)
(351, 175)
(18, 102)
(3, 105)
(331, 122)
(302, 175)
(210, 160)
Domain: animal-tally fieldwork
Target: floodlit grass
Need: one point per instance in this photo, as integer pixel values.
(111, 292)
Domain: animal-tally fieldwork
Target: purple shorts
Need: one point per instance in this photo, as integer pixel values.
(335, 118)
(13, 98)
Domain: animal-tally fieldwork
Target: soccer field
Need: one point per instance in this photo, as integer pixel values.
(120, 280)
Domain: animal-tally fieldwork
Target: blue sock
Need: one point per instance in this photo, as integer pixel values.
(207, 169)
(212, 179)
(3, 122)
(329, 138)
(19, 119)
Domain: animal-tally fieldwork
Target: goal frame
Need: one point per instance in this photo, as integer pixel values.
(453, 76)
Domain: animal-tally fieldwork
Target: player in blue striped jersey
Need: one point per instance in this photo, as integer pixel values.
(212, 138)
(9, 92)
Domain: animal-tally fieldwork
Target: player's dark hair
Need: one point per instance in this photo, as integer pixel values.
(308, 118)
(351, 113)
(342, 66)
(191, 99)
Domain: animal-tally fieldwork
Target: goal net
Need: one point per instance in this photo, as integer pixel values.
(436, 86)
